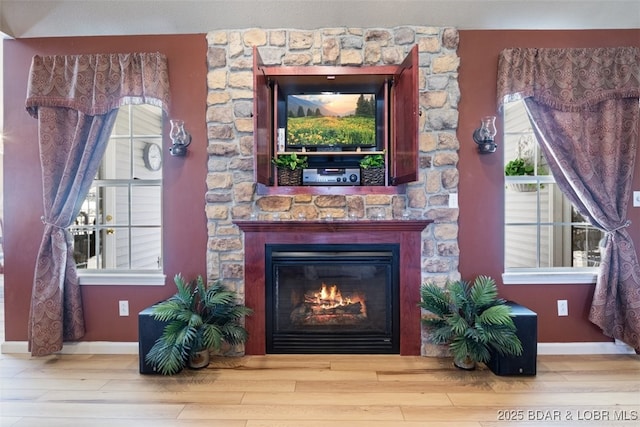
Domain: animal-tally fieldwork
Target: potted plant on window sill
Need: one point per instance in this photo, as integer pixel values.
(289, 168)
(470, 319)
(520, 167)
(372, 169)
(200, 319)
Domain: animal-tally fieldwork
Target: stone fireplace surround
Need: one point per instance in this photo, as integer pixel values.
(405, 233)
(230, 185)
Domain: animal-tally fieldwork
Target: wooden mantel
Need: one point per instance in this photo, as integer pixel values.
(406, 233)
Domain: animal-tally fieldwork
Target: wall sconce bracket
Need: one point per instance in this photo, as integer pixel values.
(484, 136)
(180, 138)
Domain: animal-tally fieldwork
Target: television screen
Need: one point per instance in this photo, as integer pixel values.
(331, 120)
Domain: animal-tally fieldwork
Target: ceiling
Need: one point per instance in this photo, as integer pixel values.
(51, 18)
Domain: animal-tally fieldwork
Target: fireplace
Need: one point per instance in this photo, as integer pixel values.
(406, 235)
(332, 298)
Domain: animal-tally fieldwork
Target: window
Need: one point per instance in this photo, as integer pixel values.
(119, 227)
(543, 232)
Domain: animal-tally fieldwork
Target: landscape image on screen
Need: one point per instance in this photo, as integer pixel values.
(331, 120)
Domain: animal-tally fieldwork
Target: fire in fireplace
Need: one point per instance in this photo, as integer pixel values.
(332, 298)
(329, 307)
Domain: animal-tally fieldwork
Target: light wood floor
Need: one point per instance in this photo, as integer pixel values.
(317, 391)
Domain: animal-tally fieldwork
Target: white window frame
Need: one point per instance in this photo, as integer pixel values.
(542, 275)
(102, 277)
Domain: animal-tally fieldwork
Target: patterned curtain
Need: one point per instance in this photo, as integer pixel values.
(583, 104)
(76, 99)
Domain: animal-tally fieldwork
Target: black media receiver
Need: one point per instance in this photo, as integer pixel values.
(331, 176)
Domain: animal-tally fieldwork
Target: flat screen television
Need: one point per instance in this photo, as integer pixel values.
(327, 121)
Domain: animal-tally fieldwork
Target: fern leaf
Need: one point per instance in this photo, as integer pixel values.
(435, 299)
(441, 335)
(234, 334)
(212, 336)
(459, 347)
(496, 315)
(484, 291)
(165, 358)
(459, 291)
(505, 341)
(184, 293)
(458, 324)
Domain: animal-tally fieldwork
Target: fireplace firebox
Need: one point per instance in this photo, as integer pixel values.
(332, 298)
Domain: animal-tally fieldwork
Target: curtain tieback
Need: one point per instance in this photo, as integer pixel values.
(603, 241)
(45, 222)
(626, 224)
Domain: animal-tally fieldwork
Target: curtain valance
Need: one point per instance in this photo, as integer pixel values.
(569, 79)
(97, 83)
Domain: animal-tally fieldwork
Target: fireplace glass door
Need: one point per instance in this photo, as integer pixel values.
(332, 298)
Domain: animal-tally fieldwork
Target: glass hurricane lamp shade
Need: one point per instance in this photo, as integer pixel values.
(180, 138)
(484, 136)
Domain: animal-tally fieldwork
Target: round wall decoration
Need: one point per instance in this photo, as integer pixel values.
(152, 155)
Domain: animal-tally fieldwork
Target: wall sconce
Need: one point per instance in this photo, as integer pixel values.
(485, 134)
(180, 138)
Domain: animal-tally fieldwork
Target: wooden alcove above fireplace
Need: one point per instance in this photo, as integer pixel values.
(405, 233)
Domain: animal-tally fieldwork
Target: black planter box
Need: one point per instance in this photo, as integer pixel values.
(526, 322)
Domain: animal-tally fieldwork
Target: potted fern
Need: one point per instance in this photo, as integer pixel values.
(289, 168)
(471, 319)
(199, 318)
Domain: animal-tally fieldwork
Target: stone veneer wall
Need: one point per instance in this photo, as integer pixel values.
(230, 181)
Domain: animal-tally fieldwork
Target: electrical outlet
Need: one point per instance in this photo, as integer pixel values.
(453, 200)
(563, 307)
(123, 307)
(636, 199)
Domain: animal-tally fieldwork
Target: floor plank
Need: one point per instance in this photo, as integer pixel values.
(318, 412)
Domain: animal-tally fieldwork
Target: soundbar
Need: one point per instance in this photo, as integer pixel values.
(331, 176)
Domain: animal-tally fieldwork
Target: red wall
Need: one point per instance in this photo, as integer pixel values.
(185, 236)
(482, 183)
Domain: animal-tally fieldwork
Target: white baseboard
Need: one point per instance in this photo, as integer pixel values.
(82, 347)
(106, 347)
(561, 348)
